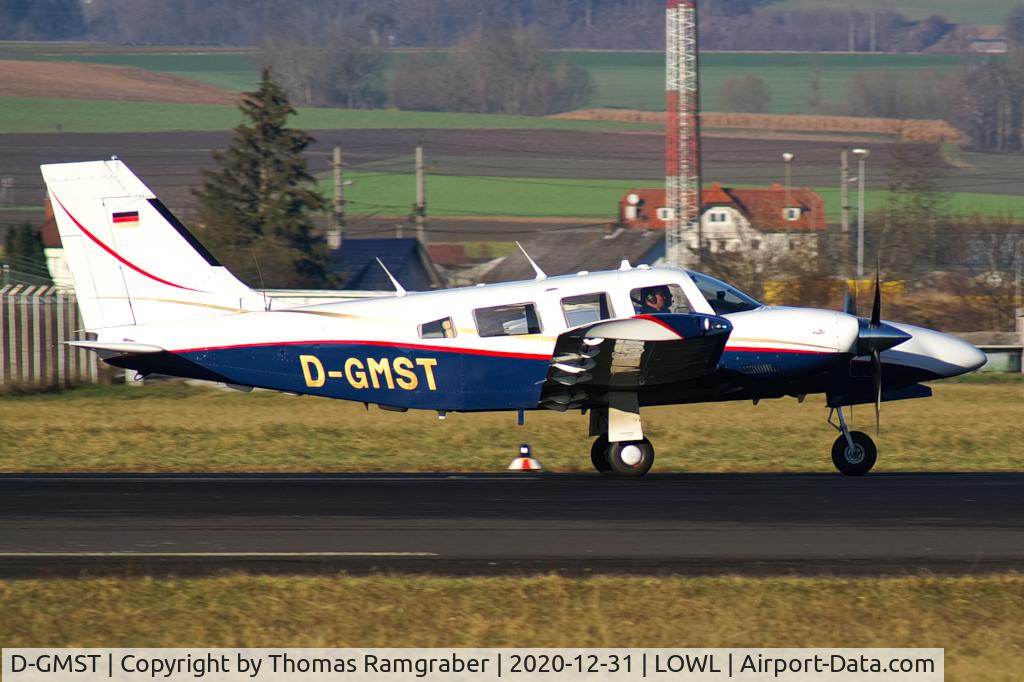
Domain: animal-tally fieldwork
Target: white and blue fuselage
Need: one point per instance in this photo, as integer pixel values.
(376, 350)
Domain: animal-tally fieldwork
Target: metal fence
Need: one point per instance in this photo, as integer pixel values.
(35, 321)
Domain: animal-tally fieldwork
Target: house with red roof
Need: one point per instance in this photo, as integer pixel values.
(770, 219)
(56, 261)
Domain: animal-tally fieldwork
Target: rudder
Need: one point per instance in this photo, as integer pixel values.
(131, 260)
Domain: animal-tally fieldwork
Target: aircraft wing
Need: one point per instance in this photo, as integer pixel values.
(631, 355)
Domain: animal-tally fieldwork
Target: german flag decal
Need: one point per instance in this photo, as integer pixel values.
(126, 219)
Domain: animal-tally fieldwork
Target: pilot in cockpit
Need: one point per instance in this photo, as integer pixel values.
(654, 300)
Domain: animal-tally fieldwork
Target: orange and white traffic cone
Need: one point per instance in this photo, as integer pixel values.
(525, 461)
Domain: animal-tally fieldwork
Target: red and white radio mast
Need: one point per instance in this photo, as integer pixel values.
(682, 133)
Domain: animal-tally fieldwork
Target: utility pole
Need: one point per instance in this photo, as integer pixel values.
(844, 200)
(1018, 302)
(861, 155)
(787, 159)
(421, 197)
(337, 230)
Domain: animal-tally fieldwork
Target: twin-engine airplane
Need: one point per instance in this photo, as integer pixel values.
(155, 301)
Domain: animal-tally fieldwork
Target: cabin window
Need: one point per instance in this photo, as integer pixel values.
(585, 309)
(507, 320)
(723, 298)
(438, 329)
(659, 298)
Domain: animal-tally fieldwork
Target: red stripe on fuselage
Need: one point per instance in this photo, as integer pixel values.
(113, 253)
(386, 344)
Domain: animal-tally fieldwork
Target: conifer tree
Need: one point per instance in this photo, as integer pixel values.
(255, 206)
(25, 257)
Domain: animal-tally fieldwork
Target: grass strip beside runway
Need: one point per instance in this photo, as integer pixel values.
(978, 620)
(176, 428)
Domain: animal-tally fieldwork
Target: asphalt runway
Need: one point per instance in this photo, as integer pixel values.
(512, 523)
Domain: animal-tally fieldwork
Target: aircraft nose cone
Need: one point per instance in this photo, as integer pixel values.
(968, 356)
(947, 356)
(957, 353)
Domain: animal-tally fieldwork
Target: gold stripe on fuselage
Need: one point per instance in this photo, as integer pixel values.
(734, 339)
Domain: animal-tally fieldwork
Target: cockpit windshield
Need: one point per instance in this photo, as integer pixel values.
(723, 298)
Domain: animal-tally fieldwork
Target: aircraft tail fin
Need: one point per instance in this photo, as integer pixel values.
(131, 260)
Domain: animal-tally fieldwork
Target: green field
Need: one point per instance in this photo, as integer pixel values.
(965, 427)
(636, 80)
(977, 620)
(623, 79)
(387, 193)
(38, 115)
(393, 194)
(957, 11)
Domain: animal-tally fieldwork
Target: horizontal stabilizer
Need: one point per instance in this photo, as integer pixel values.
(117, 347)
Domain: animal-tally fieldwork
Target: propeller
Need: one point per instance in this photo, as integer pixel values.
(873, 337)
(876, 378)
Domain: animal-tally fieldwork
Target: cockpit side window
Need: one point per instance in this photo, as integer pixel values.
(660, 298)
(580, 310)
(507, 320)
(438, 329)
(723, 298)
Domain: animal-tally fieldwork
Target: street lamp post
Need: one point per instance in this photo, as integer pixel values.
(861, 155)
(787, 158)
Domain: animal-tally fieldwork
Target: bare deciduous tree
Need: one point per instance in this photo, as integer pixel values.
(748, 93)
(492, 72)
(333, 67)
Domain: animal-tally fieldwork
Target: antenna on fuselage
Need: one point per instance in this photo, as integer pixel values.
(399, 289)
(263, 287)
(536, 268)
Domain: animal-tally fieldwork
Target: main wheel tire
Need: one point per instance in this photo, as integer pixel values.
(859, 459)
(599, 455)
(631, 458)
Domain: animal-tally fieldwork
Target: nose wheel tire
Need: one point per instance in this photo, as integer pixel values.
(631, 458)
(856, 460)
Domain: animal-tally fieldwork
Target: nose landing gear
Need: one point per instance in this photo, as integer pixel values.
(853, 452)
(630, 454)
(631, 459)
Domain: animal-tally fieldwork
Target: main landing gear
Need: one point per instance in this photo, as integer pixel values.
(853, 453)
(620, 448)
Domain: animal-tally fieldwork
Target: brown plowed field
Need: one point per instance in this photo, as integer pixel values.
(754, 125)
(103, 82)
